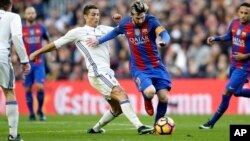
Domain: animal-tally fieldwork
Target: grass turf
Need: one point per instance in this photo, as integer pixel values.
(73, 128)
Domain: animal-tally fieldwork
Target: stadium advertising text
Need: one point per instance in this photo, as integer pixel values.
(190, 97)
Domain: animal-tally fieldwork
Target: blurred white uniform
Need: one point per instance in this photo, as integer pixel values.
(97, 58)
(10, 30)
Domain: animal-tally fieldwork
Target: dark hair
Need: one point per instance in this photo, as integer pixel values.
(5, 4)
(245, 4)
(138, 7)
(88, 7)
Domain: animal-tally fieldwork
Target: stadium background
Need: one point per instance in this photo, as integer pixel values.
(199, 71)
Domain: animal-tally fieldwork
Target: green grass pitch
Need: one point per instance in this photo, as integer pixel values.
(73, 128)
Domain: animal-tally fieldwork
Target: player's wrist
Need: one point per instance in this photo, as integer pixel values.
(24, 63)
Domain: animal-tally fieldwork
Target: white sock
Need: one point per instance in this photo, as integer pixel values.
(130, 114)
(12, 115)
(106, 118)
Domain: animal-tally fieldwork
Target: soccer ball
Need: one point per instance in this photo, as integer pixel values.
(165, 126)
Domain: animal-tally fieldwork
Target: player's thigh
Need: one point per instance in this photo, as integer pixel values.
(236, 81)
(7, 77)
(162, 83)
(39, 74)
(104, 83)
(142, 81)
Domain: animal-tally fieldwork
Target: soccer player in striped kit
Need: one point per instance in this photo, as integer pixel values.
(33, 36)
(239, 34)
(147, 69)
(11, 31)
(100, 75)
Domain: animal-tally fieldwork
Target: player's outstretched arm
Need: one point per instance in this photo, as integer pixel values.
(165, 38)
(48, 48)
(92, 42)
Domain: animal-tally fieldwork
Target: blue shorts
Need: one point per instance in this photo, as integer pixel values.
(37, 74)
(158, 77)
(237, 78)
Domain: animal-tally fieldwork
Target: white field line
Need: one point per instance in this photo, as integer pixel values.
(66, 131)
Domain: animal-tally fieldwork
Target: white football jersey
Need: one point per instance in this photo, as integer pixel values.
(97, 58)
(11, 30)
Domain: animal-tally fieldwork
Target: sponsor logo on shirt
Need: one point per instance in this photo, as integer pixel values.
(238, 42)
(139, 40)
(32, 40)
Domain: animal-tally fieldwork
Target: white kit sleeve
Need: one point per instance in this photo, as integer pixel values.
(69, 37)
(16, 32)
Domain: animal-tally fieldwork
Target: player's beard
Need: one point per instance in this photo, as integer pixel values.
(31, 21)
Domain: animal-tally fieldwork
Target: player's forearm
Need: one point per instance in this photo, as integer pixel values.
(20, 49)
(48, 48)
(225, 37)
(112, 34)
(165, 37)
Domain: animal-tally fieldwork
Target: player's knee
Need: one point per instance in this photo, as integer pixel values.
(119, 94)
(27, 89)
(150, 91)
(39, 87)
(9, 94)
(163, 98)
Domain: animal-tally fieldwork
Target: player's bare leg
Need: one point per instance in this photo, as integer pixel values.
(148, 94)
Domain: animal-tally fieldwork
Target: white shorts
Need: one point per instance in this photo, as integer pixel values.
(7, 77)
(104, 83)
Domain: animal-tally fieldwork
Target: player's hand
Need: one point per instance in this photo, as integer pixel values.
(162, 44)
(210, 40)
(117, 18)
(92, 42)
(26, 68)
(239, 56)
(32, 56)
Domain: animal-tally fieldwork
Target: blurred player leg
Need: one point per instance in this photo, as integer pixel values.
(39, 79)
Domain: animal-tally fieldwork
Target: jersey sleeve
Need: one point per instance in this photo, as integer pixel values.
(45, 34)
(16, 36)
(155, 25)
(69, 37)
(227, 36)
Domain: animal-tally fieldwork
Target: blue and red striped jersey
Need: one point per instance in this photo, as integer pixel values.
(142, 42)
(33, 37)
(240, 36)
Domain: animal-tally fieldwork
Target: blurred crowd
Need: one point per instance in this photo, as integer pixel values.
(189, 23)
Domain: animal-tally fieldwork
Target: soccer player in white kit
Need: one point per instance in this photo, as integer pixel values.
(11, 30)
(100, 76)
